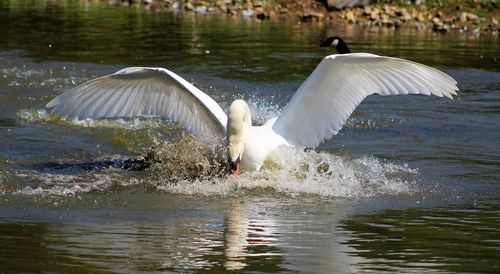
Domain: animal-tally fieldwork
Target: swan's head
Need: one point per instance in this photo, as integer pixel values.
(337, 43)
(238, 124)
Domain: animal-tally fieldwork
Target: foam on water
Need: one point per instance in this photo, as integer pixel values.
(288, 171)
(292, 171)
(66, 185)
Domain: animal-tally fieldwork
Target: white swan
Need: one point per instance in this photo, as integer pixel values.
(316, 112)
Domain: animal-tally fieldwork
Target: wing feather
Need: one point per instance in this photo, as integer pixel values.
(88, 101)
(142, 91)
(119, 108)
(322, 104)
(101, 103)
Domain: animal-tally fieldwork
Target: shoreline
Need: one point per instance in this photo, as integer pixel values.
(457, 15)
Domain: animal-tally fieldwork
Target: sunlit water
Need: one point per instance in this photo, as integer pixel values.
(410, 184)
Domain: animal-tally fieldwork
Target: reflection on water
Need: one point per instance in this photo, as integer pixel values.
(451, 239)
(237, 238)
(186, 243)
(250, 242)
(31, 247)
(230, 47)
(256, 234)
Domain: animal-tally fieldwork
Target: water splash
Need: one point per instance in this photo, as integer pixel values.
(38, 115)
(66, 185)
(373, 123)
(21, 72)
(291, 171)
(190, 168)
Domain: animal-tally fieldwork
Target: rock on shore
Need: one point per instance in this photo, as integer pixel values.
(460, 16)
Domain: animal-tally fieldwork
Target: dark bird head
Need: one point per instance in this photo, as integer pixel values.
(338, 43)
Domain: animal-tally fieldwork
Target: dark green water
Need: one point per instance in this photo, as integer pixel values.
(414, 185)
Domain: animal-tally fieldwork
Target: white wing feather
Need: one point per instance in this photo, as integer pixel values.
(142, 91)
(322, 104)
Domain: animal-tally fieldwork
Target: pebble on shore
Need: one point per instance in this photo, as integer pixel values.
(418, 15)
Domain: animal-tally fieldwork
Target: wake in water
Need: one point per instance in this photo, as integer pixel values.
(189, 167)
(185, 165)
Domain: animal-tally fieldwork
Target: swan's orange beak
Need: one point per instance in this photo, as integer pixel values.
(235, 167)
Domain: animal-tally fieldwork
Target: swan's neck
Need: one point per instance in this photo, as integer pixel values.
(238, 124)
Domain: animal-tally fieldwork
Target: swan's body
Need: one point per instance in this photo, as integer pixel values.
(259, 142)
(316, 112)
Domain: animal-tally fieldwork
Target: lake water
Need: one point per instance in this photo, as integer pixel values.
(411, 184)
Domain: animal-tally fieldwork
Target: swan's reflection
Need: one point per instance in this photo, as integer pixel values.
(253, 235)
(236, 237)
(247, 238)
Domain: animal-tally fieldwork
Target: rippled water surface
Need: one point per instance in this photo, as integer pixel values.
(410, 184)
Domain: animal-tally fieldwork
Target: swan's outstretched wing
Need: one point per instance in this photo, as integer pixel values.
(140, 91)
(322, 104)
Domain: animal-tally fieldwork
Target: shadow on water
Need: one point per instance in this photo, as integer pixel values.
(128, 164)
(165, 161)
(5, 122)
